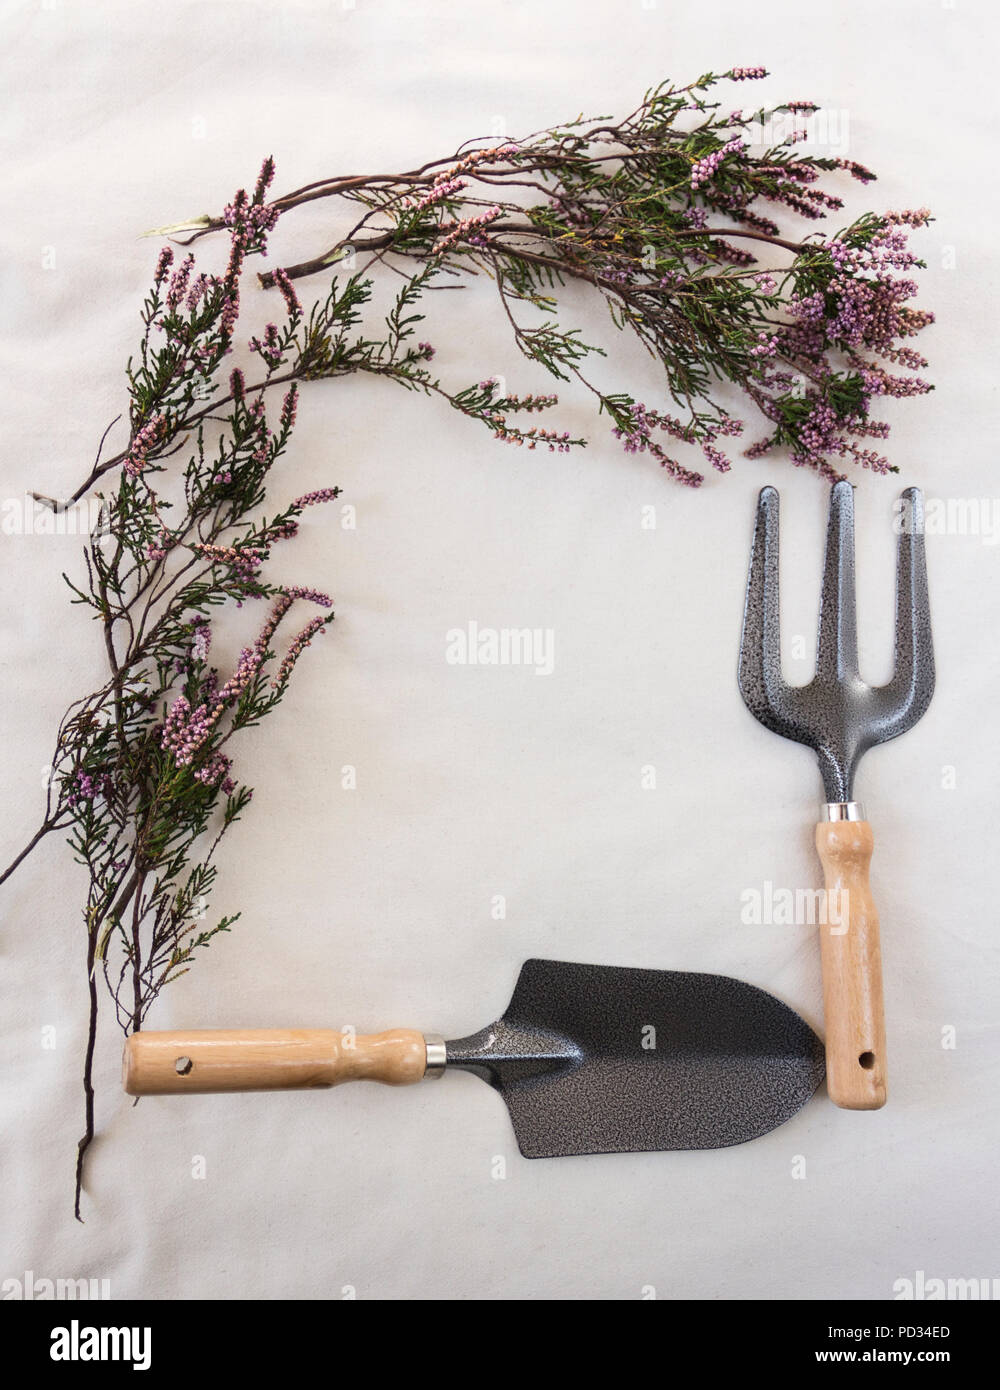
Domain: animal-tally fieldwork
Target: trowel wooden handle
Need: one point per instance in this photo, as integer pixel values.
(852, 969)
(264, 1060)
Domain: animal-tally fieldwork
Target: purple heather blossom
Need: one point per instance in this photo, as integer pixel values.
(313, 499)
(284, 284)
(142, 442)
(85, 786)
(289, 406)
(296, 649)
(163, 264)
(857, 171)
(910, 217)
(747, 74)
(639, 440)
(313, 595)
(186, 729)
(767, 345)
(199, 288)
(442, 188)
(245, 560)
(456, 231)
(215, 771)
(705, 168)
(268, 347)
(178, 286)
(201, 640)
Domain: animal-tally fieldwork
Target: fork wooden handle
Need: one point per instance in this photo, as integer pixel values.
(289, 1059)
(852, 969)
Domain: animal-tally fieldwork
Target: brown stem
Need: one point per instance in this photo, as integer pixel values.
(39, 834)
(98, 471)
(385, 239)
(136, 956)
(88, 1073)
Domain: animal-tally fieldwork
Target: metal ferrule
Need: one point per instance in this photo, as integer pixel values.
(437, 1056)
(843, 810)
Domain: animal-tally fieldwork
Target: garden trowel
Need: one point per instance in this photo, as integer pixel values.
(588, 1058)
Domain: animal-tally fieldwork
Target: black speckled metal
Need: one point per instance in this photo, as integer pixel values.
(600, 1059)
(837, 714)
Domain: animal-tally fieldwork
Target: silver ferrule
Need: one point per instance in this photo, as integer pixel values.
(843, 810)
(437, 1056)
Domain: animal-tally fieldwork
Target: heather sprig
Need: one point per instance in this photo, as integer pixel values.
(664, 215)
(147, 774)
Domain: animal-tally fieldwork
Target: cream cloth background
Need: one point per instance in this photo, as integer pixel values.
(372, 907)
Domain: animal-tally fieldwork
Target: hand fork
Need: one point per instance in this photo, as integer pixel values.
(841, 717)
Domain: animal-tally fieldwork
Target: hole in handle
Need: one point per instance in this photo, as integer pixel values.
(183, 1065)
(867, 1060)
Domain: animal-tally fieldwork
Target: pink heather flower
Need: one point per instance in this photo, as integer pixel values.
(215, 771)
(201, 641)
(197, 292)
(803, 108)
(716, 457)
(487, 154)
(179, 282)
(230, 313)
(456, 231)
(766, 346)
(85, 786)
(530, 402)
(288, 407)
(857, 171)
(163, 264)
(441, 189)
(284, 284)
(268, 347)
(313, 595)
(747, 74)
(296, 649)
(264, 179)
(142, 442)
(245, 560)
(911, 217)
(185, 730)
(705, 168)
(313, 499)
(639, 440)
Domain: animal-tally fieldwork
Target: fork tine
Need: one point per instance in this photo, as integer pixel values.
(760, 644)
(837, 642)
(773, 703)
(908, 694)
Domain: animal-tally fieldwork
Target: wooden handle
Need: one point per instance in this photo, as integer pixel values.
(852, 969)
(262, 1060)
